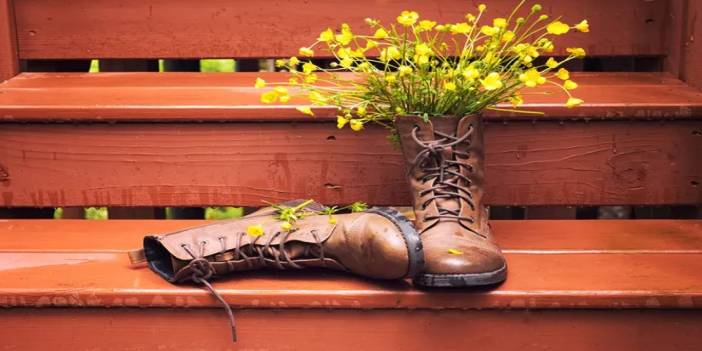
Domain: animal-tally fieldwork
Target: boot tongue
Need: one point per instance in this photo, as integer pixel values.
(448, 126)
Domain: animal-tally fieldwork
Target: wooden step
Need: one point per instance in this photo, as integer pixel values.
(202, 97)
(617, 280)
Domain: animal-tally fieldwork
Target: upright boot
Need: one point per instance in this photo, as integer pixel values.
(379, 243)
(444, 159)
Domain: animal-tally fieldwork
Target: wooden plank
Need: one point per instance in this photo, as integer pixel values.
(149, 29)
(202, 97)
(513, 236)
(543, 163)
(583, 264)
(544, 280)
(692, 46)
(9, 57)
(206, 329)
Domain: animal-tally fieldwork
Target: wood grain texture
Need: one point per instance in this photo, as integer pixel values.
(514, 236)
(218, 97)
(206, 329)
(176, 28)
(156, 164)
(9, 58)
(692, 44)
(602, 268)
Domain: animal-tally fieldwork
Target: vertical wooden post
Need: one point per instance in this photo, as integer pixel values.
(9, 58)
(691, 70)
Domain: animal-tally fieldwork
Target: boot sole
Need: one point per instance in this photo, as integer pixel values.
(415, 251)
(462, 280)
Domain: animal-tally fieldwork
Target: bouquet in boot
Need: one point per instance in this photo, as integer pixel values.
(428, 83)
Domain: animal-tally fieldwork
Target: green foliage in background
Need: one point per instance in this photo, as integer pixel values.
(223, 212)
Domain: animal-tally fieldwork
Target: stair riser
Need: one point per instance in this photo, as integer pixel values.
(207, 329)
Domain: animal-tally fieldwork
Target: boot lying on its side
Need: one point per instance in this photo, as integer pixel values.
(378, 243)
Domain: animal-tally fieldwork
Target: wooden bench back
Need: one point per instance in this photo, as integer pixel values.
(635, 158)
(49, 29)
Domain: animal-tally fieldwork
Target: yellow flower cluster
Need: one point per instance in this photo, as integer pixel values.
(423, 67)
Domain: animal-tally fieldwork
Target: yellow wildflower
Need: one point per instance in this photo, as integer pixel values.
(450, 86)
(423, 49)
(482, 7)
(532, 77)
(316, 98)
(346, 62)
(390, 78)
(455, 251)
(404, 70)
(255, 230)
(577, 52)
(269, 97)
(371, 44)
(390, 53)
(583, 26)
(573, 102)
(516, 100)
(280, 63)
(310, 78)
(499, 22)
(346, 36)
(284, 98)
(489, 31)
(306, 51)
(470, 17)
(341, 121)
(260, 83)
(460, 28)
(470, 73)
(380, 33)
(421, 59)
(426, 24)
(552, 63)
(294, 61)
(557, 28)
(507, 36)
(332, 219)
(356, 125)
(492, 81)
(286, 226)
(326, 36)
(440, 28)
(305, 109)
(407, 18)
(570, 85)
(361, 111)
(308, 67)
(563, 74)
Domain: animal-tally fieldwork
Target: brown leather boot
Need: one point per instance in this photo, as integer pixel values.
(378, 243)
(444, 159)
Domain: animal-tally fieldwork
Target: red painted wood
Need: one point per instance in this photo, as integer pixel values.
(200, 97)
(9, 58)
(512, 235)
(546, 163)
(691, 46)
(176, 28)
(206, 329)
(598, 265)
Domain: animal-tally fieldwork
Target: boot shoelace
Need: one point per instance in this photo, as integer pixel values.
(447, 175)
(203, 270)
